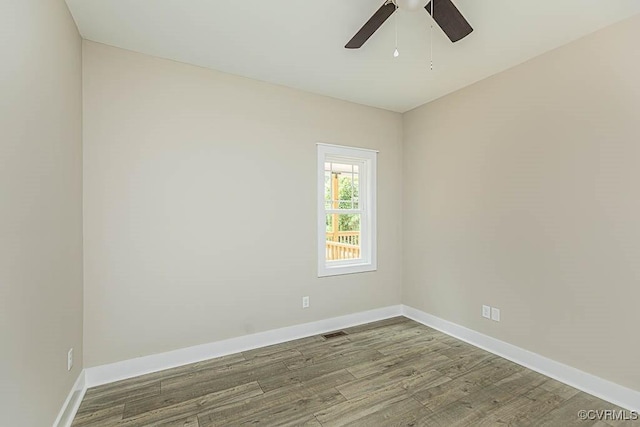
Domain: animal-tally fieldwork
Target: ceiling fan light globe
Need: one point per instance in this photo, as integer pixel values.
(411, 4)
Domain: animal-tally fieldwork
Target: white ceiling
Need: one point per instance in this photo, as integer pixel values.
(299, 43)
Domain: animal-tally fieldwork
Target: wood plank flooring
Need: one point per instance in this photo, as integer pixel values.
(394, 372)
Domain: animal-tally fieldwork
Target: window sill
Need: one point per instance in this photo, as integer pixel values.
(340, 270)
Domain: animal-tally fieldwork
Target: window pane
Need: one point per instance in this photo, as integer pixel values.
(345, 191)
(342, 237)
(341, 168)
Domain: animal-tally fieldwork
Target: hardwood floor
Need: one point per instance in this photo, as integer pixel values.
(390, 373)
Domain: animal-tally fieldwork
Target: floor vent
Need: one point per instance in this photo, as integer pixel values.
(334, 335)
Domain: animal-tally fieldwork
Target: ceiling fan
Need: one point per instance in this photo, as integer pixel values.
(445, 13)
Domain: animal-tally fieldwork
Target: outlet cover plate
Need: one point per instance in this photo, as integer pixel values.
(495, 314)
(70, 359)
(486, 311)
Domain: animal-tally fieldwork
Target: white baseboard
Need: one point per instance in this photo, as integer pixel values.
(72, 403)
(104, 374)
(596, 386)
(157, 362)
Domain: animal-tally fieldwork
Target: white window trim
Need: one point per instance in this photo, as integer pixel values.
(368, 230)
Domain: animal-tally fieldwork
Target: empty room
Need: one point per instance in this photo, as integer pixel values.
(328, 213)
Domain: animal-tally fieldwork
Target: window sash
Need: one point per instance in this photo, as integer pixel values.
(362, 181)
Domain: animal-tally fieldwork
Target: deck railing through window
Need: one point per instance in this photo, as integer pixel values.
(343, 245)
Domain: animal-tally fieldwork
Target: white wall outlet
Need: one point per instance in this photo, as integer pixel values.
(486, 311)
(305, 302)
(495, 314)
(70, 359)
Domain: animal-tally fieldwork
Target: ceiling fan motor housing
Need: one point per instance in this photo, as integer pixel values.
(411, 4)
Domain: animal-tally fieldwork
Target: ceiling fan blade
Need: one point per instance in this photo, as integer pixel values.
(372, 25)
(449, 18)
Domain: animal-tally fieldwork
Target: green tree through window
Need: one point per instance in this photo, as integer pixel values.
(348, 199)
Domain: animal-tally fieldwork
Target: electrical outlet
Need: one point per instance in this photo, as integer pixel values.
(495, 314)
(70, 359)
(305, 302)
(486, 311)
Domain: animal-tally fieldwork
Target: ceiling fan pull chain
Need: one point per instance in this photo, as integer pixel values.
(396, 53)
(433, 8)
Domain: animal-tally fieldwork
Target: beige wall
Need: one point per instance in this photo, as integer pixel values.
(199, 192)
(521, 192)
(40, 209)
(199, 198)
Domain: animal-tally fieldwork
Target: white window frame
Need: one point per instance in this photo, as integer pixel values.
(367, 159)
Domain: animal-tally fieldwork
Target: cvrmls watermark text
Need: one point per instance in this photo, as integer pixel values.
(607, 415)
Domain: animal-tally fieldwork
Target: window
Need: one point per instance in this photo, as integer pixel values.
(346, 210)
